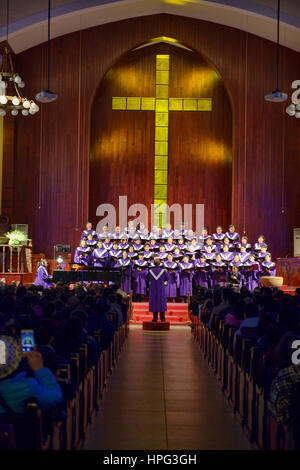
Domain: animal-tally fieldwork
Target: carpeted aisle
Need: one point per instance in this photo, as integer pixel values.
(163, 396)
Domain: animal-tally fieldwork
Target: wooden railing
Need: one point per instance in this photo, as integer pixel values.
(16, 258)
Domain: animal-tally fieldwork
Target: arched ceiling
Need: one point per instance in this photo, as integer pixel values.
(28, 19)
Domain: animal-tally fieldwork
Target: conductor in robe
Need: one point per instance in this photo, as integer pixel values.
(157, 277)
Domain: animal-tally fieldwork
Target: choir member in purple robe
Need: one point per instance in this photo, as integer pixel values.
(251, 273)
(186, 277)
(177, 255)
(260, 255)
(139, 275)
(100, 256)
(232, 234)
(131, 253)
(182, 230)
(145, 236)
(42, 278)
(91, 242)
(162, 254)
(154, 246)
(191, 252)
(209, 254)
(170, 246)
(219, 269)
(243, 254)
(181, 244)
(268, 267)
(141, 228)
(236, 261)
(115, 254)
(218, 236)
(226, 255)
(82, 254)
(168, 232)
(159, 236)
(189, 235)
(172, 278)
(129, 227)
(201, 276)
(107, 243)
(157, 278)
(105, 233)
(117, 235)
(154, 233)
(124, 245)
(209, 242)
(176, 235)
(204, 235)
(260, 241)
(133, 234)
(194, 243)
(244, 242)
(226, 242)
(137, 245)
(125, 264)
(89, 229)
(147, 252)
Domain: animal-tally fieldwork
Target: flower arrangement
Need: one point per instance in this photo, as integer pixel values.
(16, 237)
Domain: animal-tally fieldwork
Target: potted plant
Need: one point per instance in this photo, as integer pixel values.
(16, 238)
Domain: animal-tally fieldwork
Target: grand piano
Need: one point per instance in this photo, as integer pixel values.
(81, 273)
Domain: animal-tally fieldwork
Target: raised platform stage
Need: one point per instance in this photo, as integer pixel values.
(23, 279)
(176, 314)
(156, 325)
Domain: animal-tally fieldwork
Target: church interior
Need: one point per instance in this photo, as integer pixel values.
(149, 227)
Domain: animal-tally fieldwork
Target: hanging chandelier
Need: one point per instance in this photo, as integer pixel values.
(11, 98)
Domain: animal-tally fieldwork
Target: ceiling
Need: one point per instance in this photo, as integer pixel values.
(28, 19)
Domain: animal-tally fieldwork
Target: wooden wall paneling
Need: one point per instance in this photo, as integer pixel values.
(102, 47)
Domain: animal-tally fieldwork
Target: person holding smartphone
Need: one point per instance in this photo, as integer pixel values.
(16, 387)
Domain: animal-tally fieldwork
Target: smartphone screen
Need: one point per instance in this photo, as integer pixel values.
(27, 340)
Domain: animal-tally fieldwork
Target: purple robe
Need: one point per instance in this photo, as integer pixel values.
(169, 247)
(172, 278)
(157, 277)
(85, 233)
(201, 276)
(41, 278)
(227, 257)
(218, 237)
(246, 245)
(219, 275)
(244, 257)
(100, 257)
(233, 237)
(125, 264)
(168, 233)
(138, 247)
(268, 268)
(139, 277)
(251, 277)
(82, 255)
(186, 278)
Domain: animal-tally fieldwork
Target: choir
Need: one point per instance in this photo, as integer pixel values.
(208, 260)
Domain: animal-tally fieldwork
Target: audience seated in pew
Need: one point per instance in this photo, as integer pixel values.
(62, 320)
(270, 320)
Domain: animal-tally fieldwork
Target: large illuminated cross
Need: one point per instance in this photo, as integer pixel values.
(161, 104)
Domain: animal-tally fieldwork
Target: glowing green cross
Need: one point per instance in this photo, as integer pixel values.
(161, 104)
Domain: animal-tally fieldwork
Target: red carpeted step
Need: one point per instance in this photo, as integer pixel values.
(176, 314)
